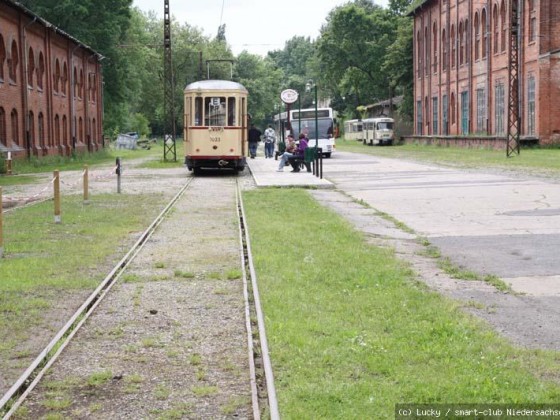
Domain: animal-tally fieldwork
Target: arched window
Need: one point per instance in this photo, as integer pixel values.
(3, 134)
(418, 54)
(41, 127)
(484, 34)
(57, 130)
(427, 110)
(75, 83)
(94, 130)
(40, 71)
(476, 37)
(64, 80)
(64, 130)
(15, 128)
(31, 119)
(496, 29)
(461, 44)
(453, 47)
(467, 38)
(445, 49)
(81, 84)
(426, 52)
(30, 67)
(2, 58)
(504, 26)
(435, 46)
(56, 81)
(13, 62)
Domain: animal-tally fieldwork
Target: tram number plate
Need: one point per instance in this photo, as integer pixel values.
(215, 139)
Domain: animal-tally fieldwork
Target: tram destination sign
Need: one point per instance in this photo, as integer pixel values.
(289, 96)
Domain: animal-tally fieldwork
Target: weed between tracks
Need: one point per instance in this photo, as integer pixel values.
(352, 333)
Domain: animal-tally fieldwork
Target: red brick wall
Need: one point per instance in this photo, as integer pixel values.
(539, 60)
(56, 115)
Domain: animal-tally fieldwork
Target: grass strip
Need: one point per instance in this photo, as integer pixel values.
(46, 264)
(545, 162)
(352, 333)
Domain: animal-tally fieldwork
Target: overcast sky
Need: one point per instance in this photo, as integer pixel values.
(252, 25)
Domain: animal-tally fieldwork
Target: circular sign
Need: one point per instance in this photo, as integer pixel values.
(289, 96)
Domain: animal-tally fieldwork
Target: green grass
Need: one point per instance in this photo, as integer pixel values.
(535, 160)
(351, 332)
(46, 262)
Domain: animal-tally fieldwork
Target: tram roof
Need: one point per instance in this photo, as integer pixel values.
(215, 85)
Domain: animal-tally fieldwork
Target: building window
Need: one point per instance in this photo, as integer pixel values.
(467, 42)
(15, 128)
(56, 81)
(30, 67)
(532, 29)
(465, 112)
(2, 58)
(426, 52)
(57, 130)
(444, 115)
(435, 116)
(504, 26)
(3, 136)
(484, 34)
(13, 62)
(31, 133)
(419, 54)
(427, 112)
(40, 71)
(419, 117)
(461, 44)
(41, 128)
(531, 106)
(435, 49)
(476, 37)
(453, 47)
(64, 80)
(496, 30)
(480, 110)
(499, 106)
(445, 49)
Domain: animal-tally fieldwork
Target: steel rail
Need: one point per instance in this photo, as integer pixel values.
(267, 365)
(30, 378)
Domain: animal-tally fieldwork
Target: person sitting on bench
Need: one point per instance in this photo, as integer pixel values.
(290, 148)
(299, 155)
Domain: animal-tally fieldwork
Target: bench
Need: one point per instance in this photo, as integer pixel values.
(305, 162)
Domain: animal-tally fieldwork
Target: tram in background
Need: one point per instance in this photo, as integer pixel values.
(215, 125)
(378, 131)
(353, 130)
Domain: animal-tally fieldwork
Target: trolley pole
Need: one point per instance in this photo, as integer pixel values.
(57, 218)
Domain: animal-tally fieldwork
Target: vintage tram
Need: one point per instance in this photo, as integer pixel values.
(215, 125)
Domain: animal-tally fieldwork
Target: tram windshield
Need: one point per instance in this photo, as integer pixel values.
(385, 125)
(308, 128)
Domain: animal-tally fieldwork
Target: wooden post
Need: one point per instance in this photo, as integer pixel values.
(57, 218)
(8, 166)
(1, 232)
(119, 170)
(86, 185)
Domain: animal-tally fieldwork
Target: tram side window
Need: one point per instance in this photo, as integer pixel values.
(198, 111)
(231, 112)
(215, 111)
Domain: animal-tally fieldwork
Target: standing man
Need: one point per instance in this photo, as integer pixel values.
(254, 138)
(269, 141)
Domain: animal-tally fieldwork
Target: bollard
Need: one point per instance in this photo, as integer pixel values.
(119, 170)
(57, 218)
(1, 232)
(86, 184)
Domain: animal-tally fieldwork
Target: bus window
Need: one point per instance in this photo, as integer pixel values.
(198, 111)
(231, 112)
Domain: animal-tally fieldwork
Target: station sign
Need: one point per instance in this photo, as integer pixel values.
(289, 96)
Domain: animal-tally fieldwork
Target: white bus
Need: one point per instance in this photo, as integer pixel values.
(378, 131)
(303, 121)
(353, 130)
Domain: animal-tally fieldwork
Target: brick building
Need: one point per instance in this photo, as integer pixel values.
(50, 88)
(461, 57)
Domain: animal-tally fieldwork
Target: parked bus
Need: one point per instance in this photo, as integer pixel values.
(378, 131)
(303, 121)
(353, 130)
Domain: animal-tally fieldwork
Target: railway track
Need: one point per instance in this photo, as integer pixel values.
(174, 330)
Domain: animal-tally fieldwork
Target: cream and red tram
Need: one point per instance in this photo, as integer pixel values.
(215, 124)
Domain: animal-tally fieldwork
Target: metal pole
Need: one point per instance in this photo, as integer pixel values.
(316, 132)
(86, 185)
(57, 218)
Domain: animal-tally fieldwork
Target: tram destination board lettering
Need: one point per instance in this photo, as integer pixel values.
(477, 411)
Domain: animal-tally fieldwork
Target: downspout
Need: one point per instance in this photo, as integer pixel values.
(25, 88)
(489, 54)
(73, 99)
(520, 75)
